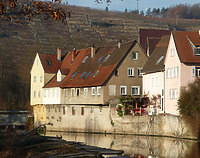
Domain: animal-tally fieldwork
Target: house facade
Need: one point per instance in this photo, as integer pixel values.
(89, 81)
(181, 66)
(45, 66)
(154, 75)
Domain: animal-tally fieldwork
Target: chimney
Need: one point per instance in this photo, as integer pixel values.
(73, 54)
(59, 54)
(92, 51)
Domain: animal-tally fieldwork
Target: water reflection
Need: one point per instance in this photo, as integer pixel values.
(138, 146)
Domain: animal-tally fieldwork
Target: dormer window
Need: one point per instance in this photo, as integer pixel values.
(59, 76)
(195, 49)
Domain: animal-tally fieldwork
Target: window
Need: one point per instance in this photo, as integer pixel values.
(73, 92)
(168, 73)
(195, 71)
(85, 91)
(171, 52)
(130, 71)
(39, 94)
(82, 110)
(34, 94)
(172, 72)
(59, 76)
(139, 70)
(84, 59)
(107, 58)
(98, 90)
(49, 93)
(77, 92)
(73, 110)
(53, 93)
(96, 73)
(63, 110)
(176, 93)
(159, 60)
(41, 79)
(171, 93)
(82, 74)
(112, 90)
(152, 82)
(134, 55)
(117, 73)
(123, 90)
(57, 93)
(157, 82)
(135, 90)
(45, 93)
(34, 78)
(176, 72)
(93, 90)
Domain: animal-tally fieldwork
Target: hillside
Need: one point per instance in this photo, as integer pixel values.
(20, 42)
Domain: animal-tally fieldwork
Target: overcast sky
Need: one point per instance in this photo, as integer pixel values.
(121, 5)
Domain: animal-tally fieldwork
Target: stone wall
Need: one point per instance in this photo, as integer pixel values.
(104, 119)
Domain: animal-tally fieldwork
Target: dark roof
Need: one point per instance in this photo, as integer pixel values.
(50, 63)
(151, 37)
(92, 71)
(157, 58)
(183, 46)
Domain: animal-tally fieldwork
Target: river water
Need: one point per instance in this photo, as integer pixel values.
(138, 146)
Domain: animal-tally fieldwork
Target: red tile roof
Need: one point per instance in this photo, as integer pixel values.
(94, 71)
(50, 62)
(152, 37)
(183, 46)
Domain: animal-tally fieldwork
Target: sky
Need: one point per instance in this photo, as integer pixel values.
(121, 5)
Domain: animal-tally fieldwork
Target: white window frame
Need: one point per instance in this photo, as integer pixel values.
(130, 71)
(175, 93)
(85, 91)
(125, 90)
(59, 76)
(39, 94)
(73, 92)
(34, 79)
(136, 58)
(138, 87)
(171, 94)
(53, 93)
(34, 93)
(41, 79)
(176, 72)
(172, 52)
(173, 72)
(98, 91)
(139, 71)
(93, 91)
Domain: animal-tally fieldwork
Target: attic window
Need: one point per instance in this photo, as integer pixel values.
(101, 59)
(107, 58)
(84, 59)
(159, 60)
(195, 49)
(88, 74)
(48, 62)
(96, 73)
(74, 75)
(82, 74)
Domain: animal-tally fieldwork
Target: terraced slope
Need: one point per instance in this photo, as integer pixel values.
(20, 42)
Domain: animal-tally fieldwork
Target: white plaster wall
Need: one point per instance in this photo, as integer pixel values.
(82, 98)
(153, 89)
(37, 70)
(186, 75)
(52, 95)
(172, 83)
(94, 119)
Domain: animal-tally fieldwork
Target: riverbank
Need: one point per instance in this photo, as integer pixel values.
(23, 146)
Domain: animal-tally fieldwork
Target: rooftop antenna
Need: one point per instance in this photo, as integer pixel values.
(137, 5)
